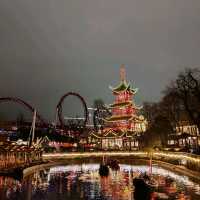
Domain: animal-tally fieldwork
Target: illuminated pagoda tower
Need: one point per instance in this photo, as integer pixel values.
(122, 127)
(124, 111)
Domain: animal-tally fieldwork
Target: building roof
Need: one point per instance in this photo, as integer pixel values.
(179, 136)
(109, 133)
(123, 86)
(8, 146)
(185, 123)
(124, 104)
(119, 118)
(121, 104)
(112, 134)
(115, 118)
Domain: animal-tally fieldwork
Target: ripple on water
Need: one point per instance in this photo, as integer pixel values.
(83, 182)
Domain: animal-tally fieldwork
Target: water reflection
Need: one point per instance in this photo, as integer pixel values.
(83, 182)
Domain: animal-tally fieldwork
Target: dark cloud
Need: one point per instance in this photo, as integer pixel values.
(51, 47)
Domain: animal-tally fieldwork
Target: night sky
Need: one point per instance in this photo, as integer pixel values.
(50, 47)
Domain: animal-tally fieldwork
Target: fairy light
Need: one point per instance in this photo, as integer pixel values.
(123, 110)
(141, 154)
(179, 156)
(93, 154)
(75, 168)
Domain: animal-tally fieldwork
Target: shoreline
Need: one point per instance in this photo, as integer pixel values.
(194, 175)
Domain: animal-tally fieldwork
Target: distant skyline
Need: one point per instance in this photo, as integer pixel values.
(49, 48)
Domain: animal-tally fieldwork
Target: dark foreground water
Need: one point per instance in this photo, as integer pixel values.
(82, 181)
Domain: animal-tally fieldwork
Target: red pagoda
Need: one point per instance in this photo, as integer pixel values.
(122, 127)
(124, 111)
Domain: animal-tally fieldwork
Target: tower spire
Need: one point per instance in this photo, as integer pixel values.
(122, 72)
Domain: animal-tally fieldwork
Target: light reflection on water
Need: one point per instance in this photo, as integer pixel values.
(82, 181)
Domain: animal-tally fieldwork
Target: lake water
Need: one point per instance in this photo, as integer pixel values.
(82, 181)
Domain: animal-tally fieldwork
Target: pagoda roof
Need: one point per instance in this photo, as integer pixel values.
(119, 118)
(109, 133)
(123, 86)
(123, 104)
(112, 133)
(115, 118)
(118, 133)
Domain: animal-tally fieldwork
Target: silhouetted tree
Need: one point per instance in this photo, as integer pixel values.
(171, 106)
(157, 134)
(99, 104)
(188, 90)
(181, 100)
(150, 111)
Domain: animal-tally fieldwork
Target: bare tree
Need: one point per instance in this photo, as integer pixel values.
(171, 105)
(181, 100)
(150, 111)
(188, 90)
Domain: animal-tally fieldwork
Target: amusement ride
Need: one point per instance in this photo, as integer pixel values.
(114, 126)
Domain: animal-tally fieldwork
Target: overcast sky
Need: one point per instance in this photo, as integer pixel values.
(50, 47)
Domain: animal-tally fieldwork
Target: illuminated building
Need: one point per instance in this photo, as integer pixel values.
(187, 127)
(13, 155)
(122, 127)
(186, 134)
